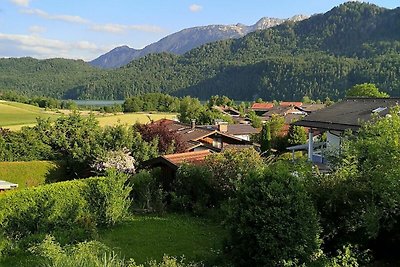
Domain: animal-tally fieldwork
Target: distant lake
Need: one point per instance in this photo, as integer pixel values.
(98, 103)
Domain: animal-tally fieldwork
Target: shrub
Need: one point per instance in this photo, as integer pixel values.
(108, 198)
(272, 220)
(359, 201)
(65, 206)
(92, 254)
(147, 194)
(230, 167)
(193, 189)
(121, 160)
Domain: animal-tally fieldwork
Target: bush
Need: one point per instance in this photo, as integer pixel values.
(193, 189)
(231, 167)
(359, 201)
(147, 194)
(64, 207)
(108, 198)
(92, 254)
(272, 220)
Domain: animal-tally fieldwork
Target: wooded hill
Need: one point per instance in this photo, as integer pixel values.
(319, 57)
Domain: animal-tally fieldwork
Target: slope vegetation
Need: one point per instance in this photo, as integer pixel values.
(319, 57)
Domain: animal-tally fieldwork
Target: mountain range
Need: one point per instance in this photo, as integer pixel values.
(185, 40)
(320, 57)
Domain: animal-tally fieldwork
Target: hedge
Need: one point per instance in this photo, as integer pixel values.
(79, 204)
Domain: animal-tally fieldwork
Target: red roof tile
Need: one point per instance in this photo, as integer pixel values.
(262, 106)
(195, 157)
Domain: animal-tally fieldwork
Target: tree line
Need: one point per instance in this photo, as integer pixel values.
(319, 57)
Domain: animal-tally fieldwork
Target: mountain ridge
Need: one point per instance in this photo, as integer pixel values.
(319, 57)
(184, 40)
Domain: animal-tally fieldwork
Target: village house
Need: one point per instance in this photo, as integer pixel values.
(261, 108)
(169, 164)
(334, 120)
(211, 137)
(200, 141)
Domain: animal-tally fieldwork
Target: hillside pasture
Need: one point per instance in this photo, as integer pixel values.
(18, 114)
(32, 173)
(132, 118)
(15, 115)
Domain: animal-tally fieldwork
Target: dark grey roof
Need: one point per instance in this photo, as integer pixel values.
(348, 114)
(238, 129)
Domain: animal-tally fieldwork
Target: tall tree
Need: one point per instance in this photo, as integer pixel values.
(365, 90)
(265, 138)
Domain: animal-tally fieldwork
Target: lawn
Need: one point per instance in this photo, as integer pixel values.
(15, 115)
(31, 173)
(150, 237)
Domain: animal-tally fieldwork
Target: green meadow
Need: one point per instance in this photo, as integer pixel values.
(149, 237)
(15, 115)
(31, 173)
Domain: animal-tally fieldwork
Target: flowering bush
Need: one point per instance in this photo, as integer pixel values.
(120, 160)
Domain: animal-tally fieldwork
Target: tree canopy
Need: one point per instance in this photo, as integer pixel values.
(365, 90)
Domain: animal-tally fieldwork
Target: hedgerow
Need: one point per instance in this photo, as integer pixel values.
(66, 206)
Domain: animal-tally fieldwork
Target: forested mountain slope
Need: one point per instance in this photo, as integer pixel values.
(185, 40)
(319, 57)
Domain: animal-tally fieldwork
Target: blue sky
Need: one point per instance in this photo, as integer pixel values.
(87, 28)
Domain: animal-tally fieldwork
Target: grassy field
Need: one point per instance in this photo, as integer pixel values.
(16, 115)
(31, 173)
(149, 237)
(132, 118)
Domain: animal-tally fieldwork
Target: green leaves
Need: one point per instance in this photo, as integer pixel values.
(272, 220)
(365, 90)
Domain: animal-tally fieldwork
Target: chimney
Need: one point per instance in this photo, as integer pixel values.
(223, 127)
(193, 124)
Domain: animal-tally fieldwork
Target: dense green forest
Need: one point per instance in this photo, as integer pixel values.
(320, 57)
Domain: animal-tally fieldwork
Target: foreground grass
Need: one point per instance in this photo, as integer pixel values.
(147, 237)
(150, 237)
(31, 173)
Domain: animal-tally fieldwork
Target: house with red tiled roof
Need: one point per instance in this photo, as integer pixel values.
(290, 104)
(204, 137)
(169, 164)
(173, 161)
(261, 106)
(200, 141)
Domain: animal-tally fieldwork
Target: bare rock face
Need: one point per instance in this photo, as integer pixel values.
(185, 40)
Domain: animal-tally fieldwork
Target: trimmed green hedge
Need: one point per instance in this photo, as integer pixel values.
(65, 206)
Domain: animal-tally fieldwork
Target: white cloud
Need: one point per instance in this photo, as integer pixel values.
(120, 28)
(195, 8)
(45, 15)
(36, 29)
(24, 3)
(39, 47)
(109, 27)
